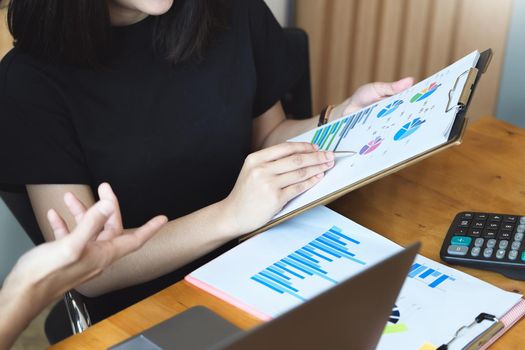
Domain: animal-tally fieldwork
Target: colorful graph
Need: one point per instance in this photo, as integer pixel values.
(427, 275)
(371, 146)
(393, 325)
(389, 108)
(311, 260)
(408, 129)
(425, 93)
(330, 136)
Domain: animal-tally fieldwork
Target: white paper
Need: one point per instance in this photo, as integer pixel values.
(433, 315)
(232, 272)
(387, 133)
(429, 309)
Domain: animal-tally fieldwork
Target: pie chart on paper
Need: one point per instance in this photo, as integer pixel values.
(389, 108)
(371, 146)
(423, 94)
(408, 129)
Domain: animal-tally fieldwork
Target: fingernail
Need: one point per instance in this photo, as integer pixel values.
(105, 207)
(320, 175)
(329, 155)
(330, 164)
(68, 197)
(316, 147)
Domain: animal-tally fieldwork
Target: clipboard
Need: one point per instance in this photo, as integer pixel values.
(457, 131)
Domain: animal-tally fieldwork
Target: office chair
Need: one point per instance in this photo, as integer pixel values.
(71, 307)
(297, 104)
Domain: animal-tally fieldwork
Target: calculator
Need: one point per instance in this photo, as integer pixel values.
(487, 241)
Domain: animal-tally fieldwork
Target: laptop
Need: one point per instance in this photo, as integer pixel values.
(350, 315)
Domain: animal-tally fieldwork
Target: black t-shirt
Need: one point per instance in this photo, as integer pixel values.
(170, 140)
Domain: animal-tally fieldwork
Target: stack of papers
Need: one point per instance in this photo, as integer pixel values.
(304, 256)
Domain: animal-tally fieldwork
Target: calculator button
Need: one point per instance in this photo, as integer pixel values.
(522, 256)
(460, 231)
(464, 223)
(478, 224)
(476, 232)
(491, 243)
(495, 218)
(507, 226)
(475, 251)
(518, 236)
(511, 219)
(481, 216)
(493, 225)
(520, 229)
(457, 250)
(487, 253)
(500, 254)
(503, 244)
(461, 240)
(513, 254)
(467, 216)
(522, 220)
(489, 234)
(515, 245)
(505, 234)
(478, 242)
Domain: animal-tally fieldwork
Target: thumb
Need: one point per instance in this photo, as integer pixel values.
(401, 85)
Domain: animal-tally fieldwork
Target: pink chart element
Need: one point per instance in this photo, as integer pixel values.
(371, 146)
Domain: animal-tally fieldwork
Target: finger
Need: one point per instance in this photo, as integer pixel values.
(402, 84)
(388, 89)
(300, 160)
(128, 243)
(293, 191)
(58, 225)
(75, 206)
(115, 221)
(92, 223)
(303, 174)
(282, 150)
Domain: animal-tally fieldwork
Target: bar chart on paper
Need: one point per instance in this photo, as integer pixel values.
(429, 276)
(292, 262)
(329, 137)
(311, 261)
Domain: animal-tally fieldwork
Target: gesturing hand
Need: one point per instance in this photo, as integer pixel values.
(272, 177)
(98, 240)
(373, 92)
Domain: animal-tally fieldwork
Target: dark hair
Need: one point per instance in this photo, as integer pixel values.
(78, 32)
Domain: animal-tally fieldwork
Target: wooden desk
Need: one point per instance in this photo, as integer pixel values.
(486, 173)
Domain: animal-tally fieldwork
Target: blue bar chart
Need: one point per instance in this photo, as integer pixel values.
(428, 275)
(313, 259)
(330, 137)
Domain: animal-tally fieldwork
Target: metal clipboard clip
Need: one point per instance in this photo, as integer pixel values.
(482, 338)
(472, 73)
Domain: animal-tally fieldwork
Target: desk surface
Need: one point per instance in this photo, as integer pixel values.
(486, 173)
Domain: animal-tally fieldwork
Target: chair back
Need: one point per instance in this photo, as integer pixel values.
(297, 103)
(19, 204)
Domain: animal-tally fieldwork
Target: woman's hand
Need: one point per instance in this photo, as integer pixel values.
(52, 268)
(371, 93)
(269, 179)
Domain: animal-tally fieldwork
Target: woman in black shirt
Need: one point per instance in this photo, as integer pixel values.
(165, 100)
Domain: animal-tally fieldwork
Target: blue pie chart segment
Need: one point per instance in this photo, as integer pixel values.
(389, 108)
(408, 129)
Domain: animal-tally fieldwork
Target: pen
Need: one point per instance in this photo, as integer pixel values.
(343, 154)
